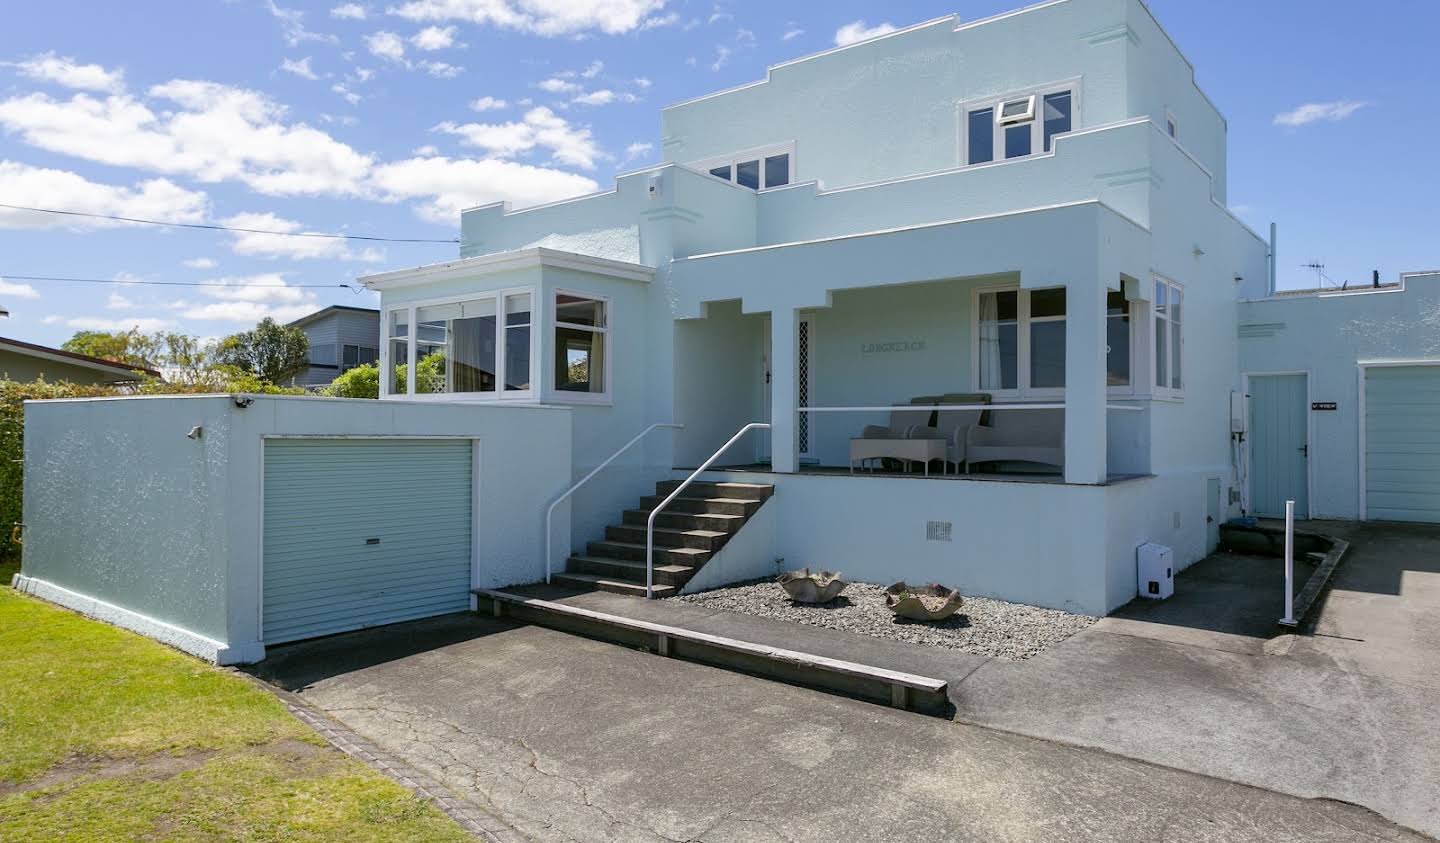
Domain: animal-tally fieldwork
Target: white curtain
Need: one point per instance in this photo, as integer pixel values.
(990, 370)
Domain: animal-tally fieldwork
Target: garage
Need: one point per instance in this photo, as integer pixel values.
(364, 532)
(1401, 427)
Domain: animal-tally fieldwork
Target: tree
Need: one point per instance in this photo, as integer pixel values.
(129, 347)
(359, 382)
(270, 351)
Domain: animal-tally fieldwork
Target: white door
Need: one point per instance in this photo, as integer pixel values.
(1402, 443)
(363, 532)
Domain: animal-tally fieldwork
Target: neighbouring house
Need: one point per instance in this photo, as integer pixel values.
(972, 288)
(25, 361)
(341, 338)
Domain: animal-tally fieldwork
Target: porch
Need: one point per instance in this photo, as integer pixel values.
(833, 341)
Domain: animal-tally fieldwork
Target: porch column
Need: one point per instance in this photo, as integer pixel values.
(1085, 340)
(784, 331)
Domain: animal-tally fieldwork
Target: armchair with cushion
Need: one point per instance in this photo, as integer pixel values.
(1036, 436)
(953, 426)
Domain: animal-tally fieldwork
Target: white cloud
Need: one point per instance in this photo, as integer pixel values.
(15, 290)
(65, 71)
(251, 298)
(292, 26)
(219, 133)
(604, 96)
(791, 34)
(858, 31)
(434, 38)
(541, 17)
(658, 21)
(282, 246)
(442, 70)
(487, 104)
(447, 186)
(722, 56)
(346, 94)
(39, 187)
(1313, 112)
(641, 82)
(143, 324)
(638, 149)
(541, 127)
(201, 263)
(386, 45)
(300, 68)
(593, 70)
(349, 11)
(118, 302)
(426, 150)
(556, 85)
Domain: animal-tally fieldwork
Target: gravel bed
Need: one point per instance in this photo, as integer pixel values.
(983, 626)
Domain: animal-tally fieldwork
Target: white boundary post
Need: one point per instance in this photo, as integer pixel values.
(1289, 618)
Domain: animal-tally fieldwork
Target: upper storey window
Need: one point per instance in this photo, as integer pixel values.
(1015, 126)
(756, 169)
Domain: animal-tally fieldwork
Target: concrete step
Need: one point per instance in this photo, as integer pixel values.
(713, 489)
(598, 583)
(636, 553)
(687, 520)
(711, 540)
(703, 505)
(625, 569)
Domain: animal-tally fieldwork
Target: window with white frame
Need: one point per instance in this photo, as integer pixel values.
(1019, 346)
(1016, 126)
(756, 169)
(582, 331)
(478, 347)
(1172, 126)
(1169, 337)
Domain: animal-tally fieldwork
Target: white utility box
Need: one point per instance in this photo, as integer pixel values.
(1157, 572)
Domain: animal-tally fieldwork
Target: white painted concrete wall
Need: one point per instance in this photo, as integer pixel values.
(161, 532)
(1328, 336)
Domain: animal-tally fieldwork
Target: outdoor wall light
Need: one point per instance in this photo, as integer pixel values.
(196, 432)
(243, 401)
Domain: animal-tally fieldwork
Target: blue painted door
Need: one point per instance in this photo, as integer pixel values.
(363, 532)
(1279, 445)
(1402, 443)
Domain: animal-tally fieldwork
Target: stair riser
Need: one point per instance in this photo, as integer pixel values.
(626, 572)
(663, 555)
(683, 521)
(716, 490)
(694, 506)
(628, 533)
(637, 590)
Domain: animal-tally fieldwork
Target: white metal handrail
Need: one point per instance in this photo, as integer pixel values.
(889, 407)
(568, 492)
(650, 522)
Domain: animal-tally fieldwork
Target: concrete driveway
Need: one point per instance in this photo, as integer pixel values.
(567, 738)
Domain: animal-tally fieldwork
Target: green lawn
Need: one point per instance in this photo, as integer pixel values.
(106, 735)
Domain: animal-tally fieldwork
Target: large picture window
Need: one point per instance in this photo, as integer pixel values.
(477, 348)
(1019, 346)
(1016, 126)
(581, 334)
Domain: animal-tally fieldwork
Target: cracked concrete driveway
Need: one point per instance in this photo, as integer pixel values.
(566, 738)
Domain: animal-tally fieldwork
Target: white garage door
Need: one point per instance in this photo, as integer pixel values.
(363, 532)
(1402, 443)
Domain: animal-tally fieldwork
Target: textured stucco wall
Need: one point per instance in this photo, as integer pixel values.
(1327, 336)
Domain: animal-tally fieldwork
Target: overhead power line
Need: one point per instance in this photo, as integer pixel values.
(210, 227)
(127, 282)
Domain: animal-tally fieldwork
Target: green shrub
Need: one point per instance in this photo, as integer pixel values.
(359, 382)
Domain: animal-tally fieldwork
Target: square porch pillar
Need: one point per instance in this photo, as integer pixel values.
(1085, 339)
(784, 389)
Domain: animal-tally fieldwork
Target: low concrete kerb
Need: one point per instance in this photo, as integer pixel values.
(877, 684)
(466, 814)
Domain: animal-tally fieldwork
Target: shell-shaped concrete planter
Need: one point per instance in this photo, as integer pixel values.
(805, 587)
(902, 600)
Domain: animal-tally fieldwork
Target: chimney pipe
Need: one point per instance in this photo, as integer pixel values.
(1375, 278)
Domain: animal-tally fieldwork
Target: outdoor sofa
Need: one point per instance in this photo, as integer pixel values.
(1036, 436)
(917, 433)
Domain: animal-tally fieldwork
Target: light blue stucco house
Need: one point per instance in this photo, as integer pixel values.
(971, 287)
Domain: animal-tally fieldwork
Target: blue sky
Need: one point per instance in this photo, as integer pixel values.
(386, 117)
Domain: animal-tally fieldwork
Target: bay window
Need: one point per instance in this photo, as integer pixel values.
(462, 347)
(582, 332)
(1016, 126)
